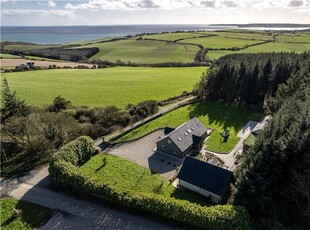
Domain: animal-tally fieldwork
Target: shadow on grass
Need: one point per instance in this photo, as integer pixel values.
(191, 196)
(30, 215)
(21, 164)
(221, 114)
(104, 162)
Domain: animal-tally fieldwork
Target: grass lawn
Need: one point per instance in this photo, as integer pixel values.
(220, 42)
(264, 48)
(127, 176)
(9, 56)
(212, 115)
(117, 86)
(32, 216)
(173, 36)
(250, 140)
(144, 51)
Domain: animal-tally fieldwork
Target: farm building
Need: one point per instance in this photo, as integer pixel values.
(184, 139)
(260, 125)
(206, 179)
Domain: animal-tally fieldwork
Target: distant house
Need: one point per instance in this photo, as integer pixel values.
(260, 125)
(28, 65)
(184, 139)
(206, 179)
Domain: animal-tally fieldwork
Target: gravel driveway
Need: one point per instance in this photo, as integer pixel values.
(142, 152)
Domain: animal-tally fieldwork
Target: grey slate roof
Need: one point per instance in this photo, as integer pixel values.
(182, 136)
(206, 176)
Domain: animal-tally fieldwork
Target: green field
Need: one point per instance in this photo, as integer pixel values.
(127, 176)
(9, 56)
(264, 48)
(243, 35)
(213, 115)
(31, 217)
(172, 36)
(117, 86)
(218, 42)
(143, 51)
(25, 47)
(290, 38)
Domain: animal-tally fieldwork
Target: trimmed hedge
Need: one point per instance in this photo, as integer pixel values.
(65, 174)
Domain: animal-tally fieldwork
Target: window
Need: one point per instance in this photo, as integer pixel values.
(169, 141)
(163, 147)
(175, 151)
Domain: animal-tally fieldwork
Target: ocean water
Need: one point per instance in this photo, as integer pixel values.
(63, 34)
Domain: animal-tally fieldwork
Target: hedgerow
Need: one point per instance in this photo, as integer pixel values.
(65, 174)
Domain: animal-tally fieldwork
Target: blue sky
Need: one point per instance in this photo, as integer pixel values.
(111, 12)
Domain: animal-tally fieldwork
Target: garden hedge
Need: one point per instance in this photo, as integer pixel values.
(65, 173)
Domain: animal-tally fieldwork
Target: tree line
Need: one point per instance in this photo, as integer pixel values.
(251, 79)
(273, 180)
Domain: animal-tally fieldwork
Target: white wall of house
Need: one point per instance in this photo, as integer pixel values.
(214, 197)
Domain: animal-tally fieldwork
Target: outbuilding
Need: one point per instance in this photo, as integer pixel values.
(206, 179)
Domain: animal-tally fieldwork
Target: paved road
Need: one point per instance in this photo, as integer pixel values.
(74, 213)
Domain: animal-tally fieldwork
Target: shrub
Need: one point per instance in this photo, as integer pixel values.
(65, 174)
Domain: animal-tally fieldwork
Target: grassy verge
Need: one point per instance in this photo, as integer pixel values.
(117, 86)
(124, 175)
(31, 216)
(212, 114)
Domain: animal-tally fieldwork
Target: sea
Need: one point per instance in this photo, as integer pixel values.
(65, 34)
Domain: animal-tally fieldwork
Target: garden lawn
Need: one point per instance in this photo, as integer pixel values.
(32, 216)
(124, 175)
(219, 42)
(117, 86)
(144, 51)
(212, 114)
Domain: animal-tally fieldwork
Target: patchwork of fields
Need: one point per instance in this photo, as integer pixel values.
(117, 86)
(184, 46)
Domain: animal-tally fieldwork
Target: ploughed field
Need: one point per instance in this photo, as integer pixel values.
(217, 116)
(117, 86)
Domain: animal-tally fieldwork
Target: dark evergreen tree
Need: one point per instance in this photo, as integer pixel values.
(11, 105)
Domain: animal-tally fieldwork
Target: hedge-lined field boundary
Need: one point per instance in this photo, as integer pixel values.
(65, 173)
